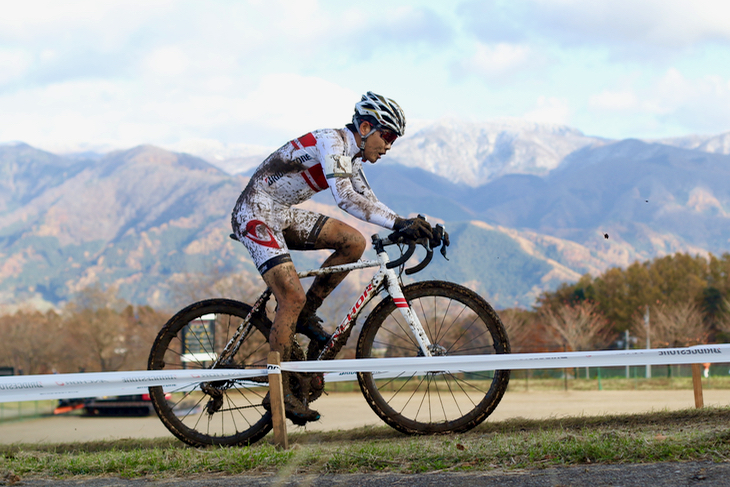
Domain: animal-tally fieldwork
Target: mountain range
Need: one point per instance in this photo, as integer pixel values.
(528, 207)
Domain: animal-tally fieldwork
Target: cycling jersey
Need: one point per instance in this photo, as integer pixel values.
(294, 173)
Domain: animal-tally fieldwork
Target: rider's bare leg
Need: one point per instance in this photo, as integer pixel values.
(348, 245)
(290, 298)
(284, 283)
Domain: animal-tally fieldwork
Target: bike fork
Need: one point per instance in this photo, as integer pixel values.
(410, 316)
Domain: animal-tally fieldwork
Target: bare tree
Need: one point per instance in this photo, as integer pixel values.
(99, 330)
(143, 323)
(31, 341)
(577, 327)
(216, 283)
(520, 328)
(723, 320)
(674, 325)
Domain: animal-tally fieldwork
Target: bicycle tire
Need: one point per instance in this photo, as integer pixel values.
(192, 339)
(458, 322)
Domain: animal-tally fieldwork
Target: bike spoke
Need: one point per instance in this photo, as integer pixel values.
(457, 322)
(443, 319)
(451, 391)
(405, 329)
(228, 412)
(411, 396)
(410, 349)
(454, 321)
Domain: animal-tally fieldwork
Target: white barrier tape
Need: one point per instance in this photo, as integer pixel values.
(273, 369)
(476, 363)
(94, 384)
(71, 386)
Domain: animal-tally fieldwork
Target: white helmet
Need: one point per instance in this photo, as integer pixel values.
(380, 111)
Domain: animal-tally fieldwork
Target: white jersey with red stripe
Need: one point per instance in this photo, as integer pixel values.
(315, 162)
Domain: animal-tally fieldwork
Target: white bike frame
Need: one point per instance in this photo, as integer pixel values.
(392, 287)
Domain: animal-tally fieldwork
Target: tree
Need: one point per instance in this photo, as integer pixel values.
(674, 325)
(143, 323)
(217, 283)
(623, 294)
(523, 331)
(31, 342)
(95, 321)
(578, 327)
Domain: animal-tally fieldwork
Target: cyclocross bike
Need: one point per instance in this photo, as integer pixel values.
(426, 318)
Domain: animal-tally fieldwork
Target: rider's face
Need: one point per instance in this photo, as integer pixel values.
(375, 145)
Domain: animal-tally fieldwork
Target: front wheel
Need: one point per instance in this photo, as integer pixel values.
(224, 413)
(458, 322)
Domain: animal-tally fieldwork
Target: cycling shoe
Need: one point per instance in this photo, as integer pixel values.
(294, 410)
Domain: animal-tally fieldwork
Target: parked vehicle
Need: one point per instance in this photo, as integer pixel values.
(136, 405)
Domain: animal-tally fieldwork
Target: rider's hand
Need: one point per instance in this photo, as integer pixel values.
(414, 228)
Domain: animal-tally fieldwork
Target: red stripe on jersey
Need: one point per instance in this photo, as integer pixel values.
(310, 182)
(318, 174)
(400, 302)
(308, 140)
(314, 176)
(294, 143)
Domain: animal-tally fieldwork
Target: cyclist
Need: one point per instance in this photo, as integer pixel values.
(266, 221)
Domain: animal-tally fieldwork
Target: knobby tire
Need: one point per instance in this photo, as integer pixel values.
(458, 322)
(191, 340)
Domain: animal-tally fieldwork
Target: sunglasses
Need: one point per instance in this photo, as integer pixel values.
(388, 135)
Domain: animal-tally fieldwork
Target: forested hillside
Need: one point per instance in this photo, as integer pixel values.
(672, 301)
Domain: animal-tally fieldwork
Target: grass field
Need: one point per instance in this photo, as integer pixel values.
(696, 434)
(686, 435)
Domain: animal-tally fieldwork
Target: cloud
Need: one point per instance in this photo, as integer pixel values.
(633, 28)
(167, 61)
(702, 103)
(109, 23)
(672, 102)
(498, 62)
(119, 114)
(14, 63)
(613, 101)
(295, 103)
(408, 25)
(549, 110)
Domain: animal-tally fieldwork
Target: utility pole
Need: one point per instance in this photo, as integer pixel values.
(626, 337)
(648, 339)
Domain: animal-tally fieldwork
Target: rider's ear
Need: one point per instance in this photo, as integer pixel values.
(365, 128)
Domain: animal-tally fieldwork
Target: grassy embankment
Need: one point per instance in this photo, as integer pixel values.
(694, 434)
(664, 436)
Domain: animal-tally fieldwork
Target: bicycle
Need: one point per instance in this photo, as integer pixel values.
(426, 318)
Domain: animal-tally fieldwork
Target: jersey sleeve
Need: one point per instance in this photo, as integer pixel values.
(354, 195)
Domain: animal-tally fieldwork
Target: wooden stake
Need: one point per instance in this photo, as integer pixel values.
(697, 383)
(276, 393)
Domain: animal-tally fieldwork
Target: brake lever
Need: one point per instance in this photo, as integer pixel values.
(443, 243)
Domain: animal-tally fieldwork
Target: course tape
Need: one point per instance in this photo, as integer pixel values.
(95, 384)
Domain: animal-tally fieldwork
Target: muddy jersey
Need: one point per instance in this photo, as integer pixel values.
(315, 162)
(318, 161)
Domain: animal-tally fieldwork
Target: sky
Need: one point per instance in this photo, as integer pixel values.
(237, 77)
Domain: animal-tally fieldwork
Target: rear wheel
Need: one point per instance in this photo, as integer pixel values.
(227, 412)
(458, 322)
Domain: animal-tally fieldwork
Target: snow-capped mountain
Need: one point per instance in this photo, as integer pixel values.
(476, 153)
(716, 144)
(463, 152)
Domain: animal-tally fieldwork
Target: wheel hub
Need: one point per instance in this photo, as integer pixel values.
(437, 350)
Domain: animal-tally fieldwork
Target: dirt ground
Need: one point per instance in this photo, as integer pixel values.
(349, 410)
